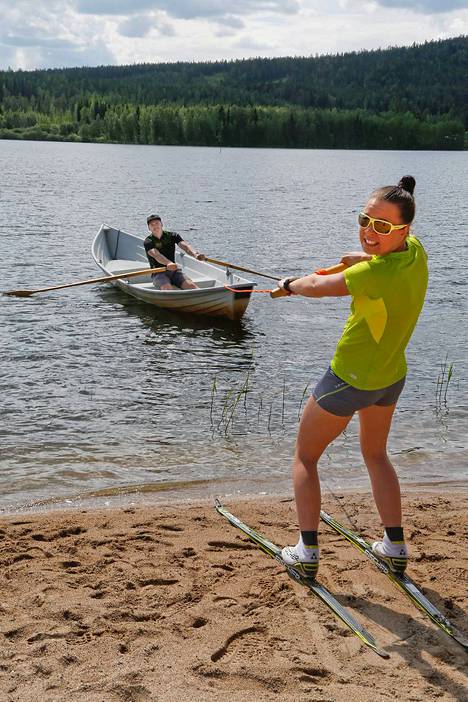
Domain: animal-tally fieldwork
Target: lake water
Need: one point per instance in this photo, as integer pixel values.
(106, 399)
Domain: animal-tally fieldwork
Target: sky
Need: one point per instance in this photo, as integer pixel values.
(62, 33)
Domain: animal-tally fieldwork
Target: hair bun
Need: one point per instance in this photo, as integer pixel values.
(407, 183)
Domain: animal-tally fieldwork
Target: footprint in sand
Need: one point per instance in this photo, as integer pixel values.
(312, 675)
(170, 527)
(244, 639)
(237, 545)
(70, 564)
(157, 581)
(71, 531)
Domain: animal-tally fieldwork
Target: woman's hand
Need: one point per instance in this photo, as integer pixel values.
(171, 266)
(349, 259)
(284, 285)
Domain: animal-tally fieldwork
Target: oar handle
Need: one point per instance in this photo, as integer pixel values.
(240, 268)
(338, 268)
(104, 279)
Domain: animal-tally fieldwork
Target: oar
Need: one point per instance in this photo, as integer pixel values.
(239, 268)
(279, 292)
(106, 279)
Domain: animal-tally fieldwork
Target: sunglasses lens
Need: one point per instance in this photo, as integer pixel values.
(363, 220)
(382, 227)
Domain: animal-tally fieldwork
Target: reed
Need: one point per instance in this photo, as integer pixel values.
(271, 406)
(302, 400)
(214, 390)
(442, 385)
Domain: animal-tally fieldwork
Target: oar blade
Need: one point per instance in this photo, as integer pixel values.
(19, 293)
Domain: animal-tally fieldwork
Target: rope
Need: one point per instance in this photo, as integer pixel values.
(236, 290)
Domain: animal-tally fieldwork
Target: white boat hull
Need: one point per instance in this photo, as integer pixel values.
(219, 292)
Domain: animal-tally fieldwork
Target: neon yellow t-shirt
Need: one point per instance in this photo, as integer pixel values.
(388, 294)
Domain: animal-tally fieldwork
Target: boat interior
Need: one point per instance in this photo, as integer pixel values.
(120, 252)
(118, 266)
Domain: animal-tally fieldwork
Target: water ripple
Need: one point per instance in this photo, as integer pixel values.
(102, 393)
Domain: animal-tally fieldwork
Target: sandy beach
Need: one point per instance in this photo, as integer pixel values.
(172, 603)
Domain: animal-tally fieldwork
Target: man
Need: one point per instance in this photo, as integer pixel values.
(160, 250)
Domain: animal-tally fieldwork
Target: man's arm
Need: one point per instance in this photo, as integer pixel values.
(185, 246)
(160, 258)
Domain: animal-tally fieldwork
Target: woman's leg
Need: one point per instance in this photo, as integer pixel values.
(317, 429)
(375, 423)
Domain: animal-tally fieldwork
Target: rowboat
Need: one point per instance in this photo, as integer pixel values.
(219, 291)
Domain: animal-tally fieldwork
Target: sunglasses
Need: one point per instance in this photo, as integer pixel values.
(380, 226)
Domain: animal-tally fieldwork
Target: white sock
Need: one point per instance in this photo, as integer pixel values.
(390, 548)
(306, 553)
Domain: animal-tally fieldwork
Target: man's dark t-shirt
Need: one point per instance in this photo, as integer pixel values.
(165, 245)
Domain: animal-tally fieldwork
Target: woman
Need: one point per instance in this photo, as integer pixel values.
(387, 284)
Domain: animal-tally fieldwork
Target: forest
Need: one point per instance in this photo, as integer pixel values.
(399, 98)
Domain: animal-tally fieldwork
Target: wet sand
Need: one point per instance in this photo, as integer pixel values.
(171, 603)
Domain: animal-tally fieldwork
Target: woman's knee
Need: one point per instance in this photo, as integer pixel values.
(307, 459)
(374, 456)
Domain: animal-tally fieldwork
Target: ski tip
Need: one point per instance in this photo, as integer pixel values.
(382, 653)
(460, 639)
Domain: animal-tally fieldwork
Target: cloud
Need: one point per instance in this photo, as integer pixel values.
(37, 41)
(233, 22)
(138, 26)
(48, 36)
(251, 44)
(426, 6)
(114, 7)
(187, 9)
(89, 32)
(96, 54)
(141, 25)
(30, 56)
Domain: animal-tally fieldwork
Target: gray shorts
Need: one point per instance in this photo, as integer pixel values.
(168, 278)
(340, 398)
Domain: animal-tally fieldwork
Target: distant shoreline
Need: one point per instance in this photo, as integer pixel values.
(26, 137)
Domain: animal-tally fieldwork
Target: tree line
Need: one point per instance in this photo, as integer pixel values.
(395, 98)
(219, 125)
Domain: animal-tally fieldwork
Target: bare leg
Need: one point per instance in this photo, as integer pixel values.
(317, 429)
(188, 284)
(375, 423)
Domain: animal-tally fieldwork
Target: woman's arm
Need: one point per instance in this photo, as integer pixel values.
(349, 259)
(326, 285)
(319, 285)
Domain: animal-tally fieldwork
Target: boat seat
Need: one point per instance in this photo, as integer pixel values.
(202, 281)
(121, 265)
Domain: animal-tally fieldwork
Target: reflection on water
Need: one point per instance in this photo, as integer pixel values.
(101, 392)
(190, 325)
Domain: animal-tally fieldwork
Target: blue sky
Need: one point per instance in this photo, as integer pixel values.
(57, 33)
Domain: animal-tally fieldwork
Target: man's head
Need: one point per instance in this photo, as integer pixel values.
(154, 223)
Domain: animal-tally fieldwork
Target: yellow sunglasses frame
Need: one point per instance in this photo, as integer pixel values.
(393, 227)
